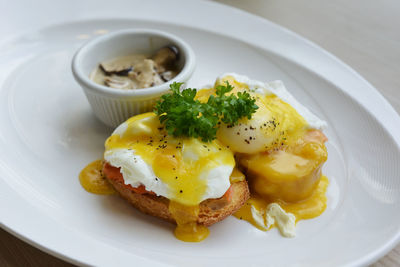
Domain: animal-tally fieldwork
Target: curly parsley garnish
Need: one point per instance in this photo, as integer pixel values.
(182, 115)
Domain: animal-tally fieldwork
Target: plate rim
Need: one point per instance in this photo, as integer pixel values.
(304, 46)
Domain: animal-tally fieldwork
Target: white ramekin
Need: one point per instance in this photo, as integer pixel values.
(113, 106)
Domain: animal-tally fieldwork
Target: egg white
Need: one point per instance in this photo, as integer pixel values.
(137, 172)
(278, 88)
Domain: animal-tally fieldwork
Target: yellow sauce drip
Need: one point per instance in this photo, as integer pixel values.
(313, 206)
(309, 208)
(245, 214)
(289, 175)
(93, 181)
(236, 176)
(187, 228)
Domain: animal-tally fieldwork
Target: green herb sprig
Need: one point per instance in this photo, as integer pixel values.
(182, 115)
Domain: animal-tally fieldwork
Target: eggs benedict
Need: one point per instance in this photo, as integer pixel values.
(241, 147)
(168, 163)
(183, 180)
(281, 150)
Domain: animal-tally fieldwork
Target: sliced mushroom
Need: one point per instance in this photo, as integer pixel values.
(116, 67)
(118, 71)
(166, 57)
(118, 82)
(121, 65)
(145, 74)
(167, 75)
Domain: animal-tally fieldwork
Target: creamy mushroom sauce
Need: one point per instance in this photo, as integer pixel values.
(138, 71)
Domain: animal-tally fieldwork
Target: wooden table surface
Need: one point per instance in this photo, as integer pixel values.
(363, 33)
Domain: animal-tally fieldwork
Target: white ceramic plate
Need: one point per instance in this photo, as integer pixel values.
(48, 134)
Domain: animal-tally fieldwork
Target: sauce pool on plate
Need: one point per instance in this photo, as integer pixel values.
(93, 180)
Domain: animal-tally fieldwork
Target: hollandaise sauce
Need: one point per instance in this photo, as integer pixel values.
(286, 185)
(187, 228)
(93, 181)
(311, 207)
(256, 209)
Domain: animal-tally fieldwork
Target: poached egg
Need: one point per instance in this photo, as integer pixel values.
(279, 120)
(184, 170)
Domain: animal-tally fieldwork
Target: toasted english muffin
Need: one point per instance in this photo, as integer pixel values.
(211, 210)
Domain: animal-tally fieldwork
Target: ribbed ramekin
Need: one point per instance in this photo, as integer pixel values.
(113, 106)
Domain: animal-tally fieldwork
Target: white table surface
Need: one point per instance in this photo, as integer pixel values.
(363, 33)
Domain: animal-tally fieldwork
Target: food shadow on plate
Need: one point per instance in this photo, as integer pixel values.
(84, 132)
(122, 211)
